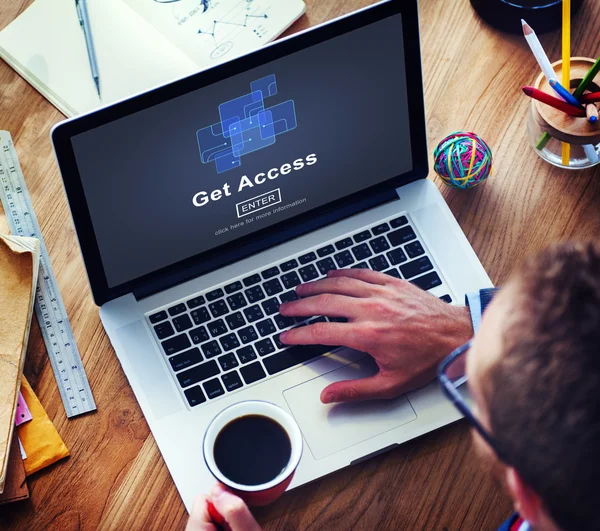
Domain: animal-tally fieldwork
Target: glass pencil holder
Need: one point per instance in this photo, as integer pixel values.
(549, 129)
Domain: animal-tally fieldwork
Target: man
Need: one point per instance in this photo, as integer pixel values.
(533, 372)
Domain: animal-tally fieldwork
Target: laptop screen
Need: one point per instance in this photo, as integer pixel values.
(219, 163)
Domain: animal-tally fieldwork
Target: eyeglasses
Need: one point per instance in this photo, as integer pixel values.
(453, 379)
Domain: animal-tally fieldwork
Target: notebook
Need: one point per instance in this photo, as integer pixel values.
(19, 263)
(139, 44)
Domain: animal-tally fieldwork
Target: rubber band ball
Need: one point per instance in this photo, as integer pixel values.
(463, 160)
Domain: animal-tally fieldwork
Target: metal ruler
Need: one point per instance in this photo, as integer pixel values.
(49, 307)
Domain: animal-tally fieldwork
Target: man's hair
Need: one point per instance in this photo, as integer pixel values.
(544, 393)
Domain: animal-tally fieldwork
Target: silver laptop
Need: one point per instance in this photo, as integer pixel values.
(200, 205)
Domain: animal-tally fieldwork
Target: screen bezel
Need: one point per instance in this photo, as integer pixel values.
(275, 234)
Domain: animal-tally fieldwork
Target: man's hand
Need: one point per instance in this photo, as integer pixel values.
(232, 509)
(407, 330)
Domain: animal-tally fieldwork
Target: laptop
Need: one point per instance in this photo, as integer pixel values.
(201, 204)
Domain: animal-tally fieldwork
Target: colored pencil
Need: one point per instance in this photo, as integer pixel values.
(591, 153)
(592, 97)
(564, 93)
(591, 112)
(546, 98)
(538, 51)
(566, 65)
(588, 78)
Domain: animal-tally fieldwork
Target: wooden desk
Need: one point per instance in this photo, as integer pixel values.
(116, 478)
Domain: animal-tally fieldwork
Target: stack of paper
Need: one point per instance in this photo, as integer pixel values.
(19, 262)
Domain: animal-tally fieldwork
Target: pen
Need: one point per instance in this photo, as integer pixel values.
(84, 21)
(567, 108)
(564, 93)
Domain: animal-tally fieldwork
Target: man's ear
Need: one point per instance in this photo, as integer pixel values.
(526, 501)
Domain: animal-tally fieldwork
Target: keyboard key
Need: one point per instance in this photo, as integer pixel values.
(195, 302)
(344, 259)
(199, 335)
(362, 236)
(176, 344)
(164, 330)
(271, 306)
(344, 244)
(211, 349)
(325, 265)
(229, 342)
(308, 273)
(397, 256)
(216, 328)
(232, 381)
(214, 294)
(266, 327)
(186, 359)
(283, 322)
(213, 388)
(380, 229)
(255, 294)
(400, 236)
(253, 372)
(379, 244)
(177, 309)
(320, 319)
(337, 319)
(246, 354)
(251, 280)
(290, 280)
(157, 317)
(235, 320)
(414, 249)
(289, 296)
(398, 222)
(428, 281)
(289, 265)
(393, 273)
(183, 322)
(272, 287)
(324, 251)
(236, 301)
(278, 344)
(248, 334)
(233, 287)
(228, 361)
(194, 396)
(361, 265)
(218, 308)
(446, 298)
(294, 356)
(306, 258)
(253, 313)
(361, 251)
(264, 347)
(200, 315)
(379, 263)
(198, 373)
(416, 267)
(270, 273)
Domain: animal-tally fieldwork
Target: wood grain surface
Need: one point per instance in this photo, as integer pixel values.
(115, 477)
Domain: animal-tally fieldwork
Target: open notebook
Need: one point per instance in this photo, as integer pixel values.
(139, 44)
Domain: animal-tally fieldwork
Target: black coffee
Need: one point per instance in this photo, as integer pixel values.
(252, 450)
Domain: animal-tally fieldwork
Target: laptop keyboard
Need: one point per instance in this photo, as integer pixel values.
(227, 338)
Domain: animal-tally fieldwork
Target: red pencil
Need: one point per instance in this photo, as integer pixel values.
(544, 97)
(590, 98)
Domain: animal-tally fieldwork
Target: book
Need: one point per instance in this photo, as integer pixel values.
(140, 44)
(19, 264)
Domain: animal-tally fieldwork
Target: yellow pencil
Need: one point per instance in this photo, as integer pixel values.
(566, 64)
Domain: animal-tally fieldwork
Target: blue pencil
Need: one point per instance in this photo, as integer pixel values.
(564, 93)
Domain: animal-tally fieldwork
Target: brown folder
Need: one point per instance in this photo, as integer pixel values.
(15, 487)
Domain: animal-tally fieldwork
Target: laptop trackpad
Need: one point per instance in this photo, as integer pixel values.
(329, 428)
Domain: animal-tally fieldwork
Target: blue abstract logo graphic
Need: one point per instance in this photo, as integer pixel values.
(245, 126)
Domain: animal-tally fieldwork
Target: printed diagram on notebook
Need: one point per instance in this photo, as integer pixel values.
(208, 30)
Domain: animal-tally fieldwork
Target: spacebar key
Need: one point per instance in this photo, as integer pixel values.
(294, 356)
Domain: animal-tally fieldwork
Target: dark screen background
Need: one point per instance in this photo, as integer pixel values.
(140, 173)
